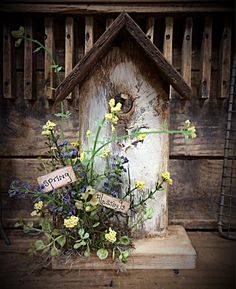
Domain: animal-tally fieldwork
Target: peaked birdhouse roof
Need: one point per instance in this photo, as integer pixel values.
(123, 22)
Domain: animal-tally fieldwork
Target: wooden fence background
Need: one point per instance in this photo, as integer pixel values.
(199, 45)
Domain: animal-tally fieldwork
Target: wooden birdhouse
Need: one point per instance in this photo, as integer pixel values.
(124, 64)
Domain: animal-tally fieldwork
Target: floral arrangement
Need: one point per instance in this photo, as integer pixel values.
(71, 218)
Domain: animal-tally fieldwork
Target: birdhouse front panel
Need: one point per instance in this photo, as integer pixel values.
(128, 76)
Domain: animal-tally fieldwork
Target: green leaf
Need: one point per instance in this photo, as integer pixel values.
(86, 236)
(18, 42)
(54, 251)
(18, 225)
(87, 252)
(56, 232)
(102, 254)
(61, 240)
(79, 244)
(124, 240)
(149, 213)
(96, 224)
(81, 232)
(18, 33)
(46, 226)
(39, 245)
(124, 256)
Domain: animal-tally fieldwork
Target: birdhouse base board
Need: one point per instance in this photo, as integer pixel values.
(174, 251)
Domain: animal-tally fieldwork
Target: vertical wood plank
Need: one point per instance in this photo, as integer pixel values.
(28, 60)
(225, 60)
(150, 27)
(168, 42)
(109, 21)
(186, 59)
(69, 47)
(88, 33)
(8, 72)
(49, 75)
(206, 49)
(168, 39)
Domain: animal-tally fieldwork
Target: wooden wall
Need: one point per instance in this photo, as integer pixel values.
(198, 45)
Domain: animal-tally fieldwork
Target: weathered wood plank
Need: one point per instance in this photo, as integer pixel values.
(28, 61)
(150, 28)
(69, 47)
(192, 198)
(48, 70)
(225, 60)
(168, 42)
(186, 59)
(119, 8)
(89, 23)
(168, 39)
(8, 63)
(206, 49)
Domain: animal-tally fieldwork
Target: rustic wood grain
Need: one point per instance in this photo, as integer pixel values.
(81, 8)
(48, 70)
(215, 269)
(150, 27)
(186, 59)
(89, 23)
(8, 63)
(102, 45)
(69, 47)
(225, 60)
(206, 50)
(28, 61)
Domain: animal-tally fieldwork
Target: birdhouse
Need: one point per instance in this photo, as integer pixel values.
(125, 65)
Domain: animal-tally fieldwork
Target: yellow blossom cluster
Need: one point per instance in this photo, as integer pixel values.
(105, 153)
(37, 209)
(114, 109)
(166, 177)
(190, 129)
(48, 128)
(71, 222)
(139, 185)
(111, 236)
(141, 136)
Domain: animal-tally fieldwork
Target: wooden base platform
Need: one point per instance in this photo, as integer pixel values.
(175, 251)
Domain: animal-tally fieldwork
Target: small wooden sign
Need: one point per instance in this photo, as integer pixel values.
(57, 179)
(113, 203)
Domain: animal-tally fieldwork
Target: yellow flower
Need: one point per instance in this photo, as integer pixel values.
(38, 206)
(49, 125)
(192, 132)
(116, 108)
(114, 119)
(112, 102)
(35, 213)
(108, 116)
(141, 136)
(82, 156)
(71, 222)
(111, 236)
(88, 133)
(79, 205)
(46, 132)
(76, 144)
(187, 124)
(166, 177)
(105, 153)
(94, 201)
(139, 185)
